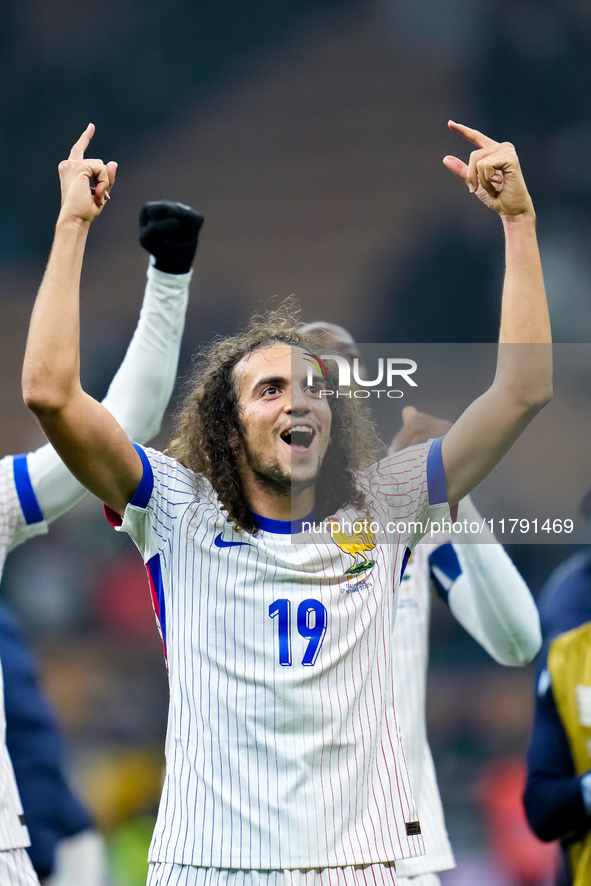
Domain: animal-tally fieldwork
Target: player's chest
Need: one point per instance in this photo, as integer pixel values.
(290, 606)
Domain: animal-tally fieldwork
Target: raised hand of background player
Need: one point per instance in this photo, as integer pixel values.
(85, 183)
(417, 427)
(169, 232)
(493, 173)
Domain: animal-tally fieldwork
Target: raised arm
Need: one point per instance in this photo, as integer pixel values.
(474, 574)
(523, 379)
(490, 598)
(141, 389)
(85, 434)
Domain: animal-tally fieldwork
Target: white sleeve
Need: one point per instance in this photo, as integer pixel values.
(139, 393)
(491, 600)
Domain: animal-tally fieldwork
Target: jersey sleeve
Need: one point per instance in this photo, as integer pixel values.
(149, 517)
(138, 394)
(141, 389)
(410, 487)
(553, 799)
(493, 603)
(485, 591)
(20, 515)
(444, 570)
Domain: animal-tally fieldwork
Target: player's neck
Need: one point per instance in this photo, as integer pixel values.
(276, 506)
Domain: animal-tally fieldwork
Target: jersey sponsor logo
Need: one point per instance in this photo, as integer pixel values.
(219, 542)
(361, 540)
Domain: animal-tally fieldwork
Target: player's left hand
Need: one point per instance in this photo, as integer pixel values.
(417, 427)
(493, 173)
(170, 231)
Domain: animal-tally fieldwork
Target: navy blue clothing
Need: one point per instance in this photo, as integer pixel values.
(565, 600)
(553, 799)
(52, 811)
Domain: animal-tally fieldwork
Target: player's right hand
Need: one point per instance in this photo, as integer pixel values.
(85, 183)
(170, 231)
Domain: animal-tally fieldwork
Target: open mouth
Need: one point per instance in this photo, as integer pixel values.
(299, 435)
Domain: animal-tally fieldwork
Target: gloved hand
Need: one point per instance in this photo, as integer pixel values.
(169, 231)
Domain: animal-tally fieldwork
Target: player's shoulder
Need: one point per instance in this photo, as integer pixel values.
(569, 575)
(396, 469)
(163, 462)
(565, 600)
(174, 480)
(163, 475)
(410, 455)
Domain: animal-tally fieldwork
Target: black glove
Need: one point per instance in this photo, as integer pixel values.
(169, 231)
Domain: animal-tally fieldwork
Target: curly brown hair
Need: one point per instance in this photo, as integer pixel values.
(209, 420)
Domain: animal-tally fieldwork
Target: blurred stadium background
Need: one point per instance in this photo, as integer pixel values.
(310, 134)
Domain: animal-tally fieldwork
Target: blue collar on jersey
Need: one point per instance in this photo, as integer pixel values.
(283, 527)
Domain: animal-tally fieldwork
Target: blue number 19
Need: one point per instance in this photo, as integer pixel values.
(311, 625)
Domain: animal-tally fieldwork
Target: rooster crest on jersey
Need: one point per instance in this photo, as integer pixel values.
(362, 540)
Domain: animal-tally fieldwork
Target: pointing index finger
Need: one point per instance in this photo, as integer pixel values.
(78, 149)
(472, 135)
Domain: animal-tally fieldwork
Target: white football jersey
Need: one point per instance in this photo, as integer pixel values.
(491, 601)
(283, 749)
(410, 653)
(20, 514)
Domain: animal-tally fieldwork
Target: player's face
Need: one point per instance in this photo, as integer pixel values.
(285, 421)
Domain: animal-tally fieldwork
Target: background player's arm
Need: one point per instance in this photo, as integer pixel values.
(141, 389)
(85, 434)
(479, 582)
(557, 801)
(523, 379)
(489, 597)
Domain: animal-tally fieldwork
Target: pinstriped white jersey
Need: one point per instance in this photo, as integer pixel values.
(20, 518)
(283, 749)
(20, 515)
(411, 651)
(379, 874)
